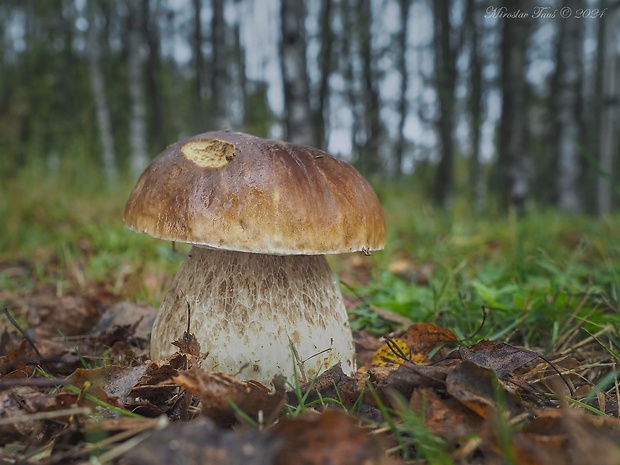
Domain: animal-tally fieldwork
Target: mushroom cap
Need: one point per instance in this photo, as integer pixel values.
(232, 191)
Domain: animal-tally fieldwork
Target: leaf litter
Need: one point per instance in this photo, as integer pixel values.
(85, 391)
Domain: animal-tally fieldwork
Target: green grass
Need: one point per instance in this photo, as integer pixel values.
(538, 276)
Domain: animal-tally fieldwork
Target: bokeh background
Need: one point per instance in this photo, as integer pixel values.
(495, 105)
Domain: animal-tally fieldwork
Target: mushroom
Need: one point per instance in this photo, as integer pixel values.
(256, 289)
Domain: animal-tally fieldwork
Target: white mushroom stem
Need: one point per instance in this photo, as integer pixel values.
(257, 316)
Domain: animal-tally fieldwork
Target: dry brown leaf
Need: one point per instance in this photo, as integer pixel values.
(329, 437)
(567, 436)
(444, 416)
(332, 383)
(14, 364)
(502, 358)
(126, 314)
(479, 390)
(423, 338)
(218, 392)
(115, 381)
(18, 404)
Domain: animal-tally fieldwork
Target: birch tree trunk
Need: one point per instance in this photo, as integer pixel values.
(97, 85)
(569, 68)
(198, 113)
(401, 66)
(372, 129)
(297, 112)
(512, 179)
(609, 117)
(326, 65)
(348, 65)
(219, 76)
(137, 122)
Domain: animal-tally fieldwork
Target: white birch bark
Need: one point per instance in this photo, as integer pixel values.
(97, 85)
(569, 198)
(137, 121)
(220, 77)
(298, 116)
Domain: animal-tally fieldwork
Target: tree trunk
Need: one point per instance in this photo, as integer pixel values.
(445, 82)
(609, 117)
(199, 118)
(569, 65)
(326, 64)
(401, 66)
(153, 74)
(372, 130)
(512, 180)
(137, 121)
(476, 105)
(349, 55)
(219, 76)
(97, 85)
(297, 113)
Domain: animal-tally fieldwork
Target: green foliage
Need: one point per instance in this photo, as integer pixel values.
(537, 276)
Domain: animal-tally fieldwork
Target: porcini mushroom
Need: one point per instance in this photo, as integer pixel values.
(261, 215)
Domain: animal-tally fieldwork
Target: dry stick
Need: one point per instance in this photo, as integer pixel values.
(396, 350)
(38, 382)
(568, 385)
(46, 415)
(26, 337)
(475, 333)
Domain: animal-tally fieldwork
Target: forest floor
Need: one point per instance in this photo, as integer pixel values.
(481, 339)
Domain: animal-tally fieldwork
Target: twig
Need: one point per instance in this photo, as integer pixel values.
(26, 337)
(46, 415)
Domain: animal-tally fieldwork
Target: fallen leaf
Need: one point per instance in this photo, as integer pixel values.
(479, 389)
(200, 442)
(127, 314)
(331, 384)
(502, 358)
(444, 416)
(416, 345)
(115, 381)
(331, 437)
(222, 395)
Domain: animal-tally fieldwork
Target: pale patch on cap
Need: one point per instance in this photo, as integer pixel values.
(209, 153)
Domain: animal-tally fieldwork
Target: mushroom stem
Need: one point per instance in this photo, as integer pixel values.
(257, 316)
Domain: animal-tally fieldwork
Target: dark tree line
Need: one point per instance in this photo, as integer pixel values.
(457, 98)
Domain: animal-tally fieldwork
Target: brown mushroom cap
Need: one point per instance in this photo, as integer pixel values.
(238, 192)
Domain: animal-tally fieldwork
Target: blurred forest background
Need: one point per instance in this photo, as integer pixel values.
(499, 105)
